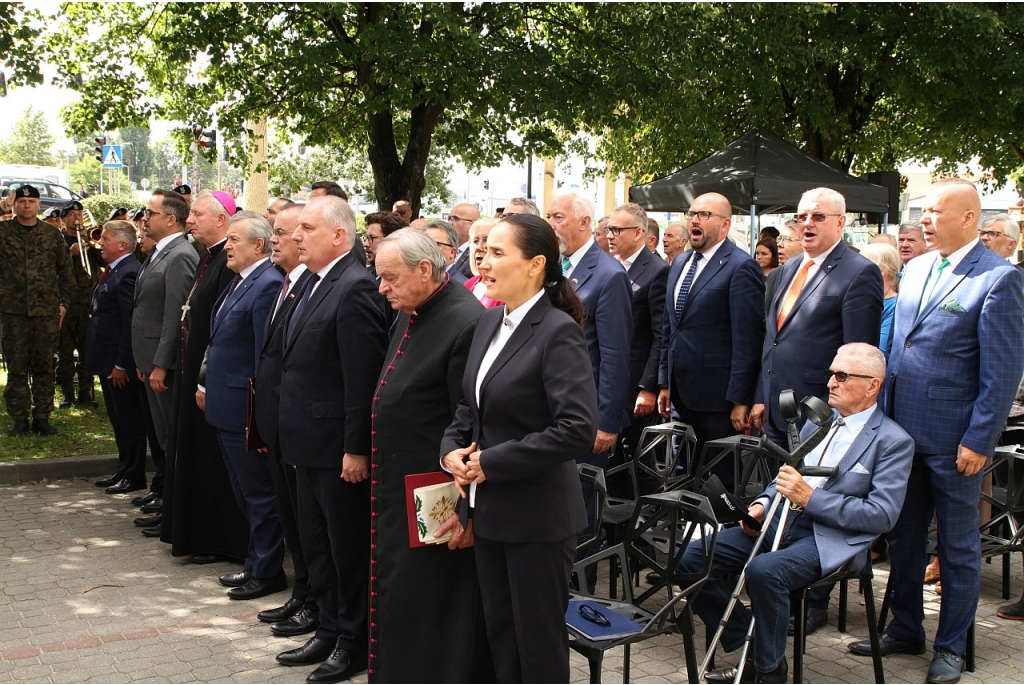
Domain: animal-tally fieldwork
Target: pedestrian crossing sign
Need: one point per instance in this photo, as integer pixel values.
(112, 157)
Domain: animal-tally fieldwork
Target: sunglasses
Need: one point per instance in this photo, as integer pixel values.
(843, 376)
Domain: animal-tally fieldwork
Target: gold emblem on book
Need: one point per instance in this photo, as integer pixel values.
(443, 509)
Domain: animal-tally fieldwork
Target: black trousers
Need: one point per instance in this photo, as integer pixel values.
(284, 488)
(708, 426)
(127, 417)
(525, 592)
(334, 525)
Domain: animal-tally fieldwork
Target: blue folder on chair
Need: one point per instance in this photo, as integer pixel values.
(617, 626)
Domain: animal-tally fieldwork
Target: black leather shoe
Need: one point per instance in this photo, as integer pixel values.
(205, 558)
(750, 674)
(306, 621)
(281, 613)
(946, 667)
(887, 646)
(107, 482)
(254, 588)
(125, 486)
(148, 521)
(143, 500)
(341, 665)
(153, 532)
(64, 404)
(20, 427)
(156, 506)
(313, 652)
(235, 579)
(816, 619)
(43, 427)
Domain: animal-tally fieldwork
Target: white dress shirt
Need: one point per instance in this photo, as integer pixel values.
(705, 260)
(628, 262)
(576, 256)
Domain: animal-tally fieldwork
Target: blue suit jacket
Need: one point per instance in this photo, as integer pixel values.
(865, 497)
(603, 285)
(236, 341)
(108, 335)
(648, 277)
(954, 370)
(710, 354)
(841, 304)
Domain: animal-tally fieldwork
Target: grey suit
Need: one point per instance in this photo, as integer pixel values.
(160, 291)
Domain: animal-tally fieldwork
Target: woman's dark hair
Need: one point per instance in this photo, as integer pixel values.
(772, 247)
(534, 236)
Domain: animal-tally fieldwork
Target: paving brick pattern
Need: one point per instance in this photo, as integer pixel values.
(85, 598)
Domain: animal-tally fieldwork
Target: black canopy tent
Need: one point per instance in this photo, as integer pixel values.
(760, 173)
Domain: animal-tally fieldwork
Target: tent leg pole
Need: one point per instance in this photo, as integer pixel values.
(754, 229)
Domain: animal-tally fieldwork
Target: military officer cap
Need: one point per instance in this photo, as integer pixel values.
(183, 190)
(54, 212)
(136, 214)
(117, 213)
(74, 205)
(26, 190)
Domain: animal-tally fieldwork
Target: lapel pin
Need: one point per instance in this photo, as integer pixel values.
(574, 281)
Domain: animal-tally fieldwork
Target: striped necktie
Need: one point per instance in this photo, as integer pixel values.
(684, 289)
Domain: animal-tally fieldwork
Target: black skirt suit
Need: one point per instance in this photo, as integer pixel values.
(537, 411)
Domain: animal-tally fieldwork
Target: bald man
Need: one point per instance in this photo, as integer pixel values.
(461, 218)
(712, 330)
(951, 380)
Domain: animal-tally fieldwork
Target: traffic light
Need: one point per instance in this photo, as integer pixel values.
(487, 184)
(100, 142)
(210, 139)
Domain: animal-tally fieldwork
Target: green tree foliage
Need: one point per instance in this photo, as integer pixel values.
(393, 79)
(859, 86)
(136, 151)
(20, 44)
(30, 141)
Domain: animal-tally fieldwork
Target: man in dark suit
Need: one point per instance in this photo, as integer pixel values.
(160, 291)
(444, 236)
(835, 519)
(647, 273)
(108, 344)
(299, 615)
(461, 218)
(829, 297)
(334, 348)
(236, 339)
(952, 379)
(713, 330)
(604, 287)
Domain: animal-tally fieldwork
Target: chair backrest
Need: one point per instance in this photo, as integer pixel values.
(595, 495)
(666, 454)
(754, 468)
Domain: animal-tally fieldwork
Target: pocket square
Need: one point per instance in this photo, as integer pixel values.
(952, 305)
(857, 468)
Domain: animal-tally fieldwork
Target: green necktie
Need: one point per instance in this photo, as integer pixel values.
(930, 284)
(566, 265)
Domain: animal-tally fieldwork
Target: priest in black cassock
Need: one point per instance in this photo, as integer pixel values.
(426, 624)
(200, 514)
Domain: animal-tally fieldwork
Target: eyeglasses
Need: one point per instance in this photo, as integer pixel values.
(843, 376)
(149, 212)
(704, 216)
(455, 217)
(373, 238)
(616, 230)
(594, 616)
(440, 244)
(783, 239)
(990, 234)
(816, 217)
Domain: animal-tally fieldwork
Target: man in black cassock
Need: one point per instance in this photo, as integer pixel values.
(201, 516)
(424, 600)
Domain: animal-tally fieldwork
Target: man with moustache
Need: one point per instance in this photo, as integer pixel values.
(712, 330)
(910, 241)
(236, 339)
(160, 291)
(108, 345)
(299, 615)
(333, 349)
(199, 487)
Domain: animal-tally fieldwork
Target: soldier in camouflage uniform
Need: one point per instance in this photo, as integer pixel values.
(72, 331)
(34, 294)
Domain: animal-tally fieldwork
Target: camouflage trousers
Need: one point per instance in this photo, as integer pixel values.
(72, 337)
(29, 343)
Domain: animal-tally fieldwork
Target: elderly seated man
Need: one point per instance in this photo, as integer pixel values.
(831, 520)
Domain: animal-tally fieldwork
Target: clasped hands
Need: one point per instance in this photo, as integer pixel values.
(464, 465)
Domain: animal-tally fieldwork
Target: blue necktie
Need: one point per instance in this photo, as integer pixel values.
(301, 305)
(684, 289)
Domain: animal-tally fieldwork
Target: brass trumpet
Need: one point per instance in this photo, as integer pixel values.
(93, 240)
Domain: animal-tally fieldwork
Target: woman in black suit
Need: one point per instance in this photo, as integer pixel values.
(530, 408)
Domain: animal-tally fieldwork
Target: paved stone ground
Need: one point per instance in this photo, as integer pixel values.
(85, 598)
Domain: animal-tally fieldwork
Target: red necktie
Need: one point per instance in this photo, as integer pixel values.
(103, 275)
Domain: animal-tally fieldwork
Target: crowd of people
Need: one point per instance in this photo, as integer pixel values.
(301, 389)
